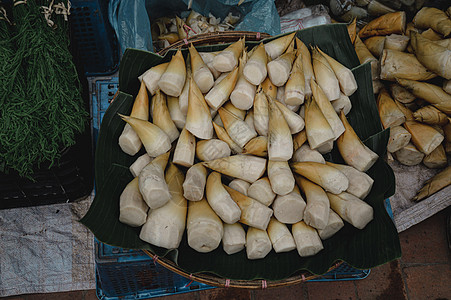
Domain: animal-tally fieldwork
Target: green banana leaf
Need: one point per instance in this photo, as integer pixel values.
(376, 244)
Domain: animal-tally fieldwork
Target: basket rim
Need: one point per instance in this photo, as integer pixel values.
(210, 279)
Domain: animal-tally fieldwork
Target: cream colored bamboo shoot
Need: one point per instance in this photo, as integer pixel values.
(409, 155)
(198, 118)
(175, 112)
(204, 227)
(280, 236)
(316, 212)
(173, 78)
(351, 209)
(295, 86)
(152, 76)
(201, 73)
(305, 153)
(208, 57)
(152, 184)
(334, 224)
(279, 69)
(375, 45)
(132, 208)
(247, 167)
(400, 94)
(280, 143)
(220, 200)
(212, 149)
(307, 240)
(255, 69)
(306, 65)
(389, 112)
(386, 24)
(399, 138)
(261, 113)
(240, 186)
(396, 65)
(257, 146)
(289, 209)
(436, 159)
(185, 149)
(161, 116)
(253, 213)
(353, 151)
(234, 238)
(276, 47)
(317, 127)
(165, 225)
(194, 184)
(261, 191)
(424, 137)
(227, 59)
(155, 140)
(431, 17)
(222, 134)
(220, 93)
(258, 244)
(280, 177)
(325, 76)
(342, 104)
(360, 183)
(236, 128)
(139, 164)
(430, 115)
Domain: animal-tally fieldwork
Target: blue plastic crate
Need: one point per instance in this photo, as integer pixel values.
(97, 43)
(131, 274)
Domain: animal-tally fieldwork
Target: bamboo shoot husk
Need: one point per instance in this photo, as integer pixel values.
(351, 209)
(222, 134)
(435, 184)
(307, 240)
(240, 186)
(194, 184)
(431, 17)
(345, 77)
(152, 76)
(152, 184)
(198, 118)
(139, 164)
(173, 78)
(334, 224)
(399, 138)
(352, 27)
(257, 146)
(389, 113)
(289, 209)
(253, 213)
(299, 139)
(234, 238)
(247, 167)
(430, 115)
(396, 42)
(424, 137)
(249, 119)
(342, 104)
(375, 45)
(365, 56)
(185, 149)
(409, 155)
(212, 149)
(278, 46)
(280, 177)
(255, 69)
(317, 128)
(395, 65)
(353, 151)
(220, 200)
(376, 8)
(165, 225)
(184, 95)
(280, 236)
(280, 143)
(132, 208)
(384, 25)
(227, 59)
(433, 56)
(268, 88)
(306, 65)
(316, 212)
(429, 92)
(241, 114)
(261, 113)
(329, 178)
(258, 244)
(325, 76)
(405, 110)
(436, 159)
(360, 183)
(261, 191)
(400, 94)
(204, 228)
(305, 153)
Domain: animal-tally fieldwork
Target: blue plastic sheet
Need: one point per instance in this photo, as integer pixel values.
(131, 18)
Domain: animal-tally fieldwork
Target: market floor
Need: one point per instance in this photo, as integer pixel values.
(423, 272)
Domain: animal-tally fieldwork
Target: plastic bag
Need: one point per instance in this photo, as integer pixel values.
(304, 18)
(131, 18)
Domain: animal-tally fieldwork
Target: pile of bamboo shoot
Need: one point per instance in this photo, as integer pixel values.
(412, 76)
(235, 157)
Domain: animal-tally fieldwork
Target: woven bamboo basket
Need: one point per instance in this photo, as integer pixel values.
(214, 38)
